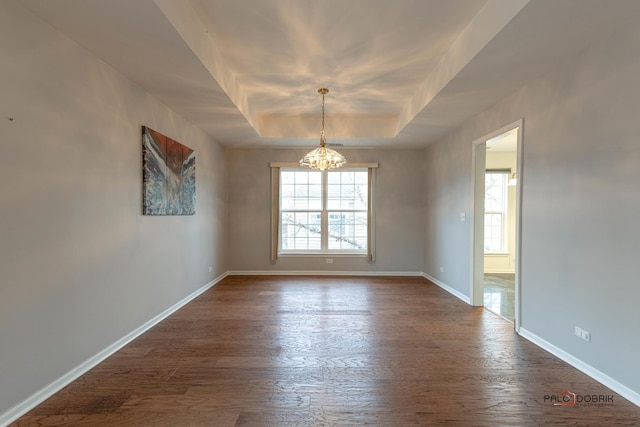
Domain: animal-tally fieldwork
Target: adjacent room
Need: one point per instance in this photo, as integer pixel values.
(334, 213)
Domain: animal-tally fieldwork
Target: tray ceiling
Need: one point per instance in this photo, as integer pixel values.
(400, 73)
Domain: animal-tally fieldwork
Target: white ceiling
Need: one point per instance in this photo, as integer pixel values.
(508, 141)
(400, 73)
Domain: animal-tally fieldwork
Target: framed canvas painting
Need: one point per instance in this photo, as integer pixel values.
(168, 175)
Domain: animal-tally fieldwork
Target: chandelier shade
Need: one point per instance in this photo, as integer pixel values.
(323, 158)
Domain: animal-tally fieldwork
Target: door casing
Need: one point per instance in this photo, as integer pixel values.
(477, 216)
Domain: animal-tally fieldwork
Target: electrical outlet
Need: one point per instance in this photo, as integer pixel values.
(441, 269)
(463, 216)
(210, 269)
(329, 260)
(582, 334)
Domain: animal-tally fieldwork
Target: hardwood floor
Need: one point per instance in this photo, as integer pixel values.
(338, 351)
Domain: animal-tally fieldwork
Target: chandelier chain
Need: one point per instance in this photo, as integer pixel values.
(322, 140)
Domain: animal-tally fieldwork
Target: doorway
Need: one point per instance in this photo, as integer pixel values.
(496, 221)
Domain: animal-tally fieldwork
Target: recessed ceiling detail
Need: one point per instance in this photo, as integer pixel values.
(401, 73)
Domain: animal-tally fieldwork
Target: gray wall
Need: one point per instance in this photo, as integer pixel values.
(399, 203)
(581, 200)
(80, 266)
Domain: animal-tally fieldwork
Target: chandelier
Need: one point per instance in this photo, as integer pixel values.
(323, 158)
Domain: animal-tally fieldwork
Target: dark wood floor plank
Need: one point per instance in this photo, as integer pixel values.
(329, 351)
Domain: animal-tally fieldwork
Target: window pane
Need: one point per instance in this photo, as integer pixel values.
(361, 196)
(287, 177)
(334, 178)
(493, 232)
(286, 196)
(315, 191)
(315, 196)
(347, 177)
(314, 243)
(302, 177)
(347, 190)
(347, 230)
(315, 178)
(333, 194)
(301, 190)
(361, 177)
(495, 191)
(300, 230)
(346, 196)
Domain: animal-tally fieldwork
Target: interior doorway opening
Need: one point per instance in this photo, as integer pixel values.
(496, 222)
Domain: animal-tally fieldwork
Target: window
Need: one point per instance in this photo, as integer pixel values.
(323, 212)
(495, 211)
(320, 213)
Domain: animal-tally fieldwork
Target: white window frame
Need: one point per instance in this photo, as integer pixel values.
(502, 213)
(276, 237)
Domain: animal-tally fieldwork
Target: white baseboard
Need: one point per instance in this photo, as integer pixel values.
(498, 271)
(43, 394)
(321, 273)
(448, 288)
(597, 375)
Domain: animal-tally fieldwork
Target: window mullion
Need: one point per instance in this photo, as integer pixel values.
(324, 222)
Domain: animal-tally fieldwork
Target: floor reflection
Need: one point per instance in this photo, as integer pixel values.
(499, 294)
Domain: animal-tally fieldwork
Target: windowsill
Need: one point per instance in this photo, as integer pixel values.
(497, 254)
(321, 255)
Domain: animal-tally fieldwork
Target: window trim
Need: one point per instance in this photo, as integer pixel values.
(370, 253)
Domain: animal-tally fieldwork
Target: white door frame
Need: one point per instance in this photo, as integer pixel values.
(478, 169)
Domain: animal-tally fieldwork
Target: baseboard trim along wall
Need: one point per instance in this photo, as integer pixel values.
(448, 288)
(597, 375)
(49, 390)
(322, 273)
(589, 370)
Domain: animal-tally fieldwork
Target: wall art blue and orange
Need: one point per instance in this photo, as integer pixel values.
(168, 175)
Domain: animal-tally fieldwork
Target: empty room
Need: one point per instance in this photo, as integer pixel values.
(319, 213)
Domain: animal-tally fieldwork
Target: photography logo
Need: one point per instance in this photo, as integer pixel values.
(569, 398)
(565, 398)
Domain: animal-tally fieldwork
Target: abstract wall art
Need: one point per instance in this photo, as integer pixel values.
(168, 175)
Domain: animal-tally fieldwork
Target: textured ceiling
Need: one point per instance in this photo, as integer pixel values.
(400, 73)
